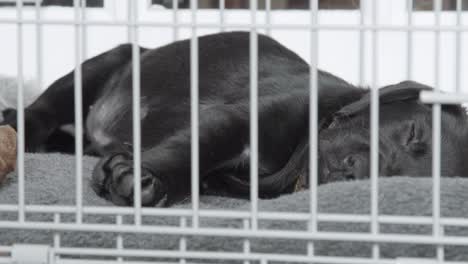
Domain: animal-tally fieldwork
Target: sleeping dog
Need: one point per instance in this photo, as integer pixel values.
(283, 108)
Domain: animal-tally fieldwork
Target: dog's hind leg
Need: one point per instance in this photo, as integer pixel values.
(55, 107)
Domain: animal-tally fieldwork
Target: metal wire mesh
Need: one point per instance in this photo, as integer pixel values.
(250, 219)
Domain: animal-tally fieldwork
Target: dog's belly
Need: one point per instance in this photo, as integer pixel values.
(104, 124)
(109, 124)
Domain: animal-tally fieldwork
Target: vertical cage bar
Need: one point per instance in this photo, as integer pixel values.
(458, 50)
(129, 15)
(120, 246)
(222, 14)
(436, 136)
(313, 123)
(183, 240)
(374, 132)
(175, 19)
(362, 44)
(253, 115)
(409, 41)
(194, 115)
(84, 30)
(78, 113)
(56, 234)
(56, 242)
(136, 112)
(39, 50)
(20, 111)
(246, 244)
(268, 16)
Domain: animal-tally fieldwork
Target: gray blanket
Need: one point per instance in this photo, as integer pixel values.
(50, 181)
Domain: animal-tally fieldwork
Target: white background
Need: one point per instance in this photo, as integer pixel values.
(338, 50)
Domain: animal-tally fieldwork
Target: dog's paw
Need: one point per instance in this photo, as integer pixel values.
(113, 180)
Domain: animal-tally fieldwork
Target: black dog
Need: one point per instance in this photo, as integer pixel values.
(224, 120)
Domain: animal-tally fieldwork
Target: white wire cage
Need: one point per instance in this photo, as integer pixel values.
(189, 219)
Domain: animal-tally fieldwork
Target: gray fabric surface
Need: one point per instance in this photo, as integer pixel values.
(50, 180)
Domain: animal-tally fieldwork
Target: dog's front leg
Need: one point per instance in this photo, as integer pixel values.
(166, 168)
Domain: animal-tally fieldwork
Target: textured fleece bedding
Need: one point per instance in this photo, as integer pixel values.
(50, 180)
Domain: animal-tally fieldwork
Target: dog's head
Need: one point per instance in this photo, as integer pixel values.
(405, 137)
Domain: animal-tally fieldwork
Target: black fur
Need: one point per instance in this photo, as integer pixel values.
(224, 120)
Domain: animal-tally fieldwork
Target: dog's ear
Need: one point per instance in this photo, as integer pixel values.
(404, 91)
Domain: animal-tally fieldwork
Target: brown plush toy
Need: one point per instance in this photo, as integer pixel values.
(7, 151)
